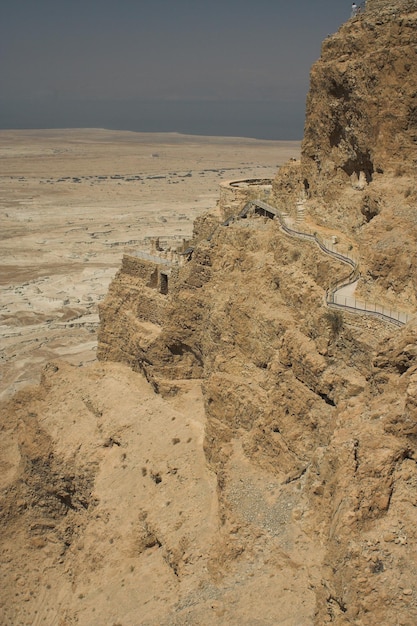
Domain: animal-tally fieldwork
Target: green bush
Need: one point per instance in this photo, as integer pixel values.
(334, 320)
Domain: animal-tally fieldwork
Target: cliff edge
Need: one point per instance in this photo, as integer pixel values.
(358, 166)
(311, 416)
(243, 452)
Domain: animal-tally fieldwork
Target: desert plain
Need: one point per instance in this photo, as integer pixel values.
(72, 201)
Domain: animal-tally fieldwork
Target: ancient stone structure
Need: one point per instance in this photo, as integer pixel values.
(234, 195)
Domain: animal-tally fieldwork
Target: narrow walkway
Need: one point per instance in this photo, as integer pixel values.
(341, 294)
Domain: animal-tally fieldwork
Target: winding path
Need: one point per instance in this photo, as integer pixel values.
(340, 294)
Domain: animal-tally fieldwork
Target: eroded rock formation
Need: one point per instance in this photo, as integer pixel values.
(302, 509)
(317, 402)
(358, 165)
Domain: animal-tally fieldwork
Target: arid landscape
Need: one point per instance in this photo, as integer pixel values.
(73, 201)
(210, 439)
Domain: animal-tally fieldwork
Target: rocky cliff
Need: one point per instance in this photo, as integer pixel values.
(310, 419)
(311, 414)
(273, 477)
(358, 165)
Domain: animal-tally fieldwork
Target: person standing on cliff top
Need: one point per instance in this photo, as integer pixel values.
(354, 10)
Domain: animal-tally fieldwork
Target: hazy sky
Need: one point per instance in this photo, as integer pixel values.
(53, 53)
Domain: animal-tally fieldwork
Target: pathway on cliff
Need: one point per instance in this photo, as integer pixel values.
(340, 294)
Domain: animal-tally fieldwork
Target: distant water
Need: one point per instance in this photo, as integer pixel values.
(259, 120)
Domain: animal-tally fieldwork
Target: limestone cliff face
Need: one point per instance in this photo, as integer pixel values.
(320, 407)
(361, 118)
(359, 165)
(311, 414)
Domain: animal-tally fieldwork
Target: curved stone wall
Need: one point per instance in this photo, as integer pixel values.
(235, 193)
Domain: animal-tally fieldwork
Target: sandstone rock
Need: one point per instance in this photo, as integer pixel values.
(306, 493)
(322, 413)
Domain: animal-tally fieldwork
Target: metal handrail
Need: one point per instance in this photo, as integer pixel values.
(333, 300)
